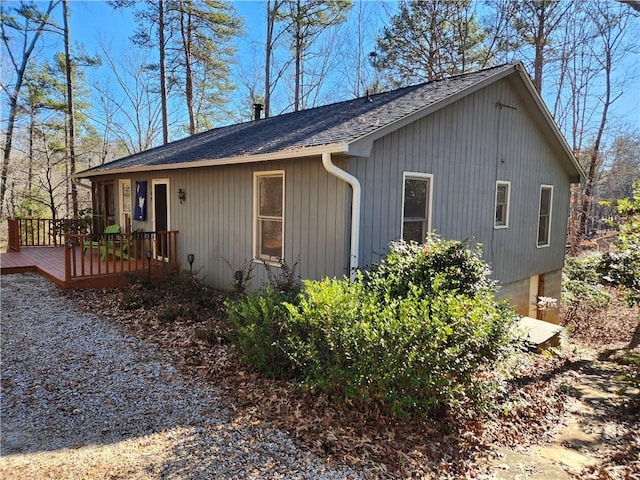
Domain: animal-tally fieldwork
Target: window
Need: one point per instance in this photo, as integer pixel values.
(416, 206)
(502, 204)
(544, 216)
(269, 215)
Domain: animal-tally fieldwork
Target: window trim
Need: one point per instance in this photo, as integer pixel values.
(126, 216)
(257, 257)
(417, 176)
(548, 240)
(496, 225)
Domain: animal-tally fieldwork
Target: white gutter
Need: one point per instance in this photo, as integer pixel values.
(355, 209)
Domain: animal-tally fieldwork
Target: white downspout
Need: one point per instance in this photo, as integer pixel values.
(355, 209)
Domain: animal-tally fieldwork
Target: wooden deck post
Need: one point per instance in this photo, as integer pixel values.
(68, 245)
(14, 234)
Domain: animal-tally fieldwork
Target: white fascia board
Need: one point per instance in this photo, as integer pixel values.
(262, 157)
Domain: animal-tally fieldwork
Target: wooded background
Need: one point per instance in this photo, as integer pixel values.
(194, 65)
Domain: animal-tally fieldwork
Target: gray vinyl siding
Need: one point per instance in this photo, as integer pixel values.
(467, 146)
(216, 220)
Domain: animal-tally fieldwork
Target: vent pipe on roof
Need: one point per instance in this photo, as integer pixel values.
(257, 110)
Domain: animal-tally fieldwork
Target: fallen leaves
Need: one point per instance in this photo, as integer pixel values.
(531, 409)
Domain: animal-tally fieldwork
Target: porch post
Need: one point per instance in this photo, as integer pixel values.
(13, 228)
(68, 245)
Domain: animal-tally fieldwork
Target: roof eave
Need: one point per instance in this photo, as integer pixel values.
(262, 157)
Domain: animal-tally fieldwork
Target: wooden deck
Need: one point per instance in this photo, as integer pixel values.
(50, 262)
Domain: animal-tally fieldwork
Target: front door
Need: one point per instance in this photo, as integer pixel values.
(161, 216)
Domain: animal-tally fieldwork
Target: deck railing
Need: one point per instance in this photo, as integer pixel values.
(86, 256)
(44, 232)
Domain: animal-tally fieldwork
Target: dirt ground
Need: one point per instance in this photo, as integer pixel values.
(567, 414)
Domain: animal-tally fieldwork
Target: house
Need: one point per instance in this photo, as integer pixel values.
(473, 156)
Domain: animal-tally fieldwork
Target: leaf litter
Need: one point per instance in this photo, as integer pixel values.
(530, 411)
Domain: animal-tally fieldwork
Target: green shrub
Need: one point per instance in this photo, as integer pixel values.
(259, 322)
(413, 333)
(420, 353)
(411, 264)
(621, 268)
(581, 286)
(420, 332)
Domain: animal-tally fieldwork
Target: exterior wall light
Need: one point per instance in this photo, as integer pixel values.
(182, 195)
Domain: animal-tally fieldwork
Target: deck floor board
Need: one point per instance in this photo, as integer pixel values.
(90, 271)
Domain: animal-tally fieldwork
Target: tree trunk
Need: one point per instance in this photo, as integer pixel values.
(298, 53)
(271, 20)
(539, 47)
(13, 106)
(594, 160)
(70, 111)
(32, 121)
(185, 31)
(163, 74)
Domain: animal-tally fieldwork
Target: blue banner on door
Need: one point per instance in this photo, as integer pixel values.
(140, 211)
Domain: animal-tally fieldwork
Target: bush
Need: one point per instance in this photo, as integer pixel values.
(413, 264)
(622, 267)
(419, 353)
(420, 332)
(582, 290)
(259, 322)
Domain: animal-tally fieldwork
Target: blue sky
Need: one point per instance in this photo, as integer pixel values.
(93, 20)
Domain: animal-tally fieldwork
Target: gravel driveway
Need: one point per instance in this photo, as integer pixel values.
(83, 399)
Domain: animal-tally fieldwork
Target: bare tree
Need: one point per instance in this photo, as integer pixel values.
(270, 43)
(610, 24)
(150, 15)
(162, 45)
(501, 42)
(635, 4)
(357, 37)
(129, 109)
(33, 23)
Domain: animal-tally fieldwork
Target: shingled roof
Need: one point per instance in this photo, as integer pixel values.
(338, 123)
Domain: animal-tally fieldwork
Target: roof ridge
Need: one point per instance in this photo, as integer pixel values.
(364, 97)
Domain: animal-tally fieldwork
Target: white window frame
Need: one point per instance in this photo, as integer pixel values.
(417, 176)
(125, 215)
(497, 225)
(256, 217)
(548, 239)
